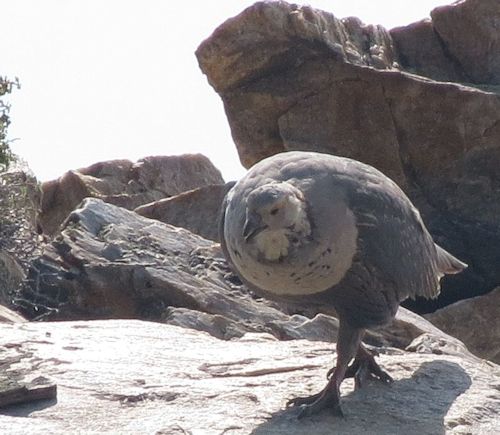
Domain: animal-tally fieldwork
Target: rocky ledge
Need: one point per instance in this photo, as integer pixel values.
(136, 377)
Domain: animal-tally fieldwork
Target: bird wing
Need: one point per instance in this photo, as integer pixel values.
(392, 236)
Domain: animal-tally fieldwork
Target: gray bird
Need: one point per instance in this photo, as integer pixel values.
(329, 231)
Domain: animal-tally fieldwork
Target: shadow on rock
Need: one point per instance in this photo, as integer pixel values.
(417, 405)
(26, 409)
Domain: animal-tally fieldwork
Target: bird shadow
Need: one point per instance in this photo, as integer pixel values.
(416, 405)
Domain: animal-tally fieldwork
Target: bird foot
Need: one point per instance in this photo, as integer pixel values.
(365, 368)
(328, 398)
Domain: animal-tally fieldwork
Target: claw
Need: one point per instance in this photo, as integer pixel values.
(365, 368)
(328, 398)
(303, 400)
(329, 373)
(318, 406)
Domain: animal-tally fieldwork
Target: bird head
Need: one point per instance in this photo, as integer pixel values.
(273, 207)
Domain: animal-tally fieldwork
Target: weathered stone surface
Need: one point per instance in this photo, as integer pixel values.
(316, 87)
(264, 48)
(123, 376)
(460, 44)
(470, 32)
(197, 210)
(124, 183)
(421, 51)
(475, 322)
(109, 262)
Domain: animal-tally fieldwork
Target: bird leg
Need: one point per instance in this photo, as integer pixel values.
(364, 368)
(348, 342)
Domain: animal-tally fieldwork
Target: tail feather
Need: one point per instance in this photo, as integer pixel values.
(447, 263)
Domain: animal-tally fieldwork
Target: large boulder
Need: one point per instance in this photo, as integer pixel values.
(421, 51)
(460, 44)
(296, 78)
(197, 210)
(124, 183)
(475, 322)
(124, 376)
(469, 31)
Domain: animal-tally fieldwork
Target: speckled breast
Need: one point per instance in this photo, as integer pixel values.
(312, 265)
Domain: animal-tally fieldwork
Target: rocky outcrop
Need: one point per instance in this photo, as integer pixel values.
(197, 210)
(124, 183)
(469, 31)
(475, 322)
(460, 44)
(123, 376)
(293, 77)
(421, 51)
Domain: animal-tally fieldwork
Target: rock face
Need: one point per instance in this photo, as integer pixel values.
(477, 56)
(295, 78)
(460, 44)
(475, 322)
(123, 376)
(422, 52)
(124, 183)
(109, 262)
(196, 210)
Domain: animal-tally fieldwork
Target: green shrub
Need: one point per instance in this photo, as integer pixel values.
(6, 155)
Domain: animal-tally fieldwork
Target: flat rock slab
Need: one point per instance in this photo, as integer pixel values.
(136, 377)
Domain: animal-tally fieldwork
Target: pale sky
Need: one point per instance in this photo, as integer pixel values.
(109, 79)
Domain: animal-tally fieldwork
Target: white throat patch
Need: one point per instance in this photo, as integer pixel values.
(273, 244)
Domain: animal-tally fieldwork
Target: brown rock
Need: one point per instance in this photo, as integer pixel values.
(124, 183)
(275, 26)
(318, 87)
(475, 322)
(133, 377)
(264, 48)
(197, 210)
(421, 51)
(469, 31)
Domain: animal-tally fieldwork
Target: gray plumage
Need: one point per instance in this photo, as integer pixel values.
(331, 231)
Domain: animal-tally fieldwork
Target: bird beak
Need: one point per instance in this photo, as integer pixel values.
(253, 226)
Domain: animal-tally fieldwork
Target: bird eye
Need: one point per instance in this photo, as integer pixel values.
(274, 211)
